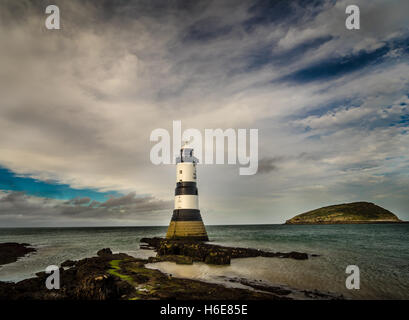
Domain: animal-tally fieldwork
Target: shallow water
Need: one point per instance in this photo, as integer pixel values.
(380, 251)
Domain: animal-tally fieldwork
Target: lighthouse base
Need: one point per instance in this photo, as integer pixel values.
(187, 224)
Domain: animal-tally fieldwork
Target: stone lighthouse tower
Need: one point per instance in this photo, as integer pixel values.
(186, 220)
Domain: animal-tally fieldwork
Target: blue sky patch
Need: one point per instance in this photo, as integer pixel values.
(51, 189)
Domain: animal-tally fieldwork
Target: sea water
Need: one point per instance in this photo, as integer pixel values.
(381, 251)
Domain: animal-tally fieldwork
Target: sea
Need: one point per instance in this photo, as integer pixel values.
(380, 251)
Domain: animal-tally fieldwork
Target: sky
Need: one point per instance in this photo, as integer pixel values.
(78, 105)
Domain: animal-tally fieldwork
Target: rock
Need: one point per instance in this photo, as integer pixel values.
(174, 258)
(104, 252)
(11, 251)
(265, 287)
(298, 255)
(208, 253)
(68, 263)
(218, 257)
(152, 242)
(100, 287)
(122, 277)
(146, 247)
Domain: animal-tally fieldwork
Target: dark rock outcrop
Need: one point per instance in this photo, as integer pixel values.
(68, 263)
(209, 253)
(174, 258)
(11, 251)
(86, 279)
(286, 291)
(104, 252)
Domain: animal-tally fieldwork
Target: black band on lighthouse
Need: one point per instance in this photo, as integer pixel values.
(186, 188)
(185, 184)
(186, 215)
(186, 191)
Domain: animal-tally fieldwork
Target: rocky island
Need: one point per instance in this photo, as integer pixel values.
(347, 213)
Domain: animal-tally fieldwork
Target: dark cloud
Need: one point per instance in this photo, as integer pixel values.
(337, 67)
(267, 165)
(206, 30)
(129, 206)
(13, 197)
(280, 11)
(126, 200)
(360, 166)
(308, 156)
(79, 201)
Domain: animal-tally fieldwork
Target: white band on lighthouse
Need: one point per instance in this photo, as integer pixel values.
(187, 202)
(186, 171)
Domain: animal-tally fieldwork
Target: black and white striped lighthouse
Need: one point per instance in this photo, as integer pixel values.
(186, 220)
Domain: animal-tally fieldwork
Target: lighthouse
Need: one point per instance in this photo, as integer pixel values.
(186, 222)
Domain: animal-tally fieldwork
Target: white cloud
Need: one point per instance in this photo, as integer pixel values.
(78, 105)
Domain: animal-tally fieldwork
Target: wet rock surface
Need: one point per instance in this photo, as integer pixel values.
(284, 291)
(173, 258)
(110, 276)
(86, 279)
(68, 263)
(209, 253)
(11, 251)
(121, 277)
(104, 252)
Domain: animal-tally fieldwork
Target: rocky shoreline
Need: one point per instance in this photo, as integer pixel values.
(118, 276)
(11, 251)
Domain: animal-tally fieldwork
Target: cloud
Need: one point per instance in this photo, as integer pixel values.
(28, 209)
(267, 165)
(368, 115)
(79, 201)
(78, 105)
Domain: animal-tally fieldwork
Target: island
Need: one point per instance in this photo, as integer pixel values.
(346, 213)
